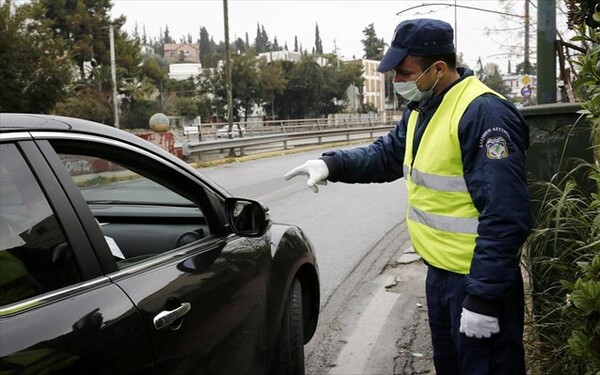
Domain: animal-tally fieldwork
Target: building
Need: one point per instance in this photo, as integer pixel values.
(280, 55)
(146, 49)
(184, 71)
(186, 52)
(373, 90)
(289, 56)
(522, 87)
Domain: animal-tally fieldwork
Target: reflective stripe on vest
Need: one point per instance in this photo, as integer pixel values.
(445, 223)
(435, 182)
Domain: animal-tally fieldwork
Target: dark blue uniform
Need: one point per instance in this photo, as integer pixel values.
(498, 187)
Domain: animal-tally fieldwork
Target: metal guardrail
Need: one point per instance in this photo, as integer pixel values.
(283, 139)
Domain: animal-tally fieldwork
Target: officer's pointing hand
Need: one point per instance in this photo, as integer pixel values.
(316, 171)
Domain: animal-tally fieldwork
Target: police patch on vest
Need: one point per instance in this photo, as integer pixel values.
(496, 148)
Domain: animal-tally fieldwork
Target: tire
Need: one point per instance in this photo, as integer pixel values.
(289, 359)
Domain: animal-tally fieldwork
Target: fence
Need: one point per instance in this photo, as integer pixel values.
(280, 134)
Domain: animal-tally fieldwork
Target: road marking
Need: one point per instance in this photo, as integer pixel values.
(355, 354)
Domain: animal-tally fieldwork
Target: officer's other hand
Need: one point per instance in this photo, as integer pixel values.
(477, 325)
(316, 171)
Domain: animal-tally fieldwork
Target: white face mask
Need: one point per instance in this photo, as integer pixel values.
(410, 91)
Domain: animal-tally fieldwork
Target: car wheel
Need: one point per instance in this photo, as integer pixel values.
(290, 352)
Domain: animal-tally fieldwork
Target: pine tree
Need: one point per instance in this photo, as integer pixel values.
(258, 42)
(265, 39)
(295, 43)
(318, 43)
(205, 47)
(144, 36)
(84, 25)
(373, 46)
(166, 37)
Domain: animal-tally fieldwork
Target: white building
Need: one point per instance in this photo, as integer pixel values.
(522, 87)
(373, 87)
(184, 71)
(288, 56)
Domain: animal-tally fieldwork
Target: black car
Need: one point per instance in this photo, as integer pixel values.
(116, 257)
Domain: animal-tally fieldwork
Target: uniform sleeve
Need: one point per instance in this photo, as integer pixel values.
(381, 161)
(494, 138)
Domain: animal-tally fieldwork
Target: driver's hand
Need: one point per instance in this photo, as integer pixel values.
(316, 171)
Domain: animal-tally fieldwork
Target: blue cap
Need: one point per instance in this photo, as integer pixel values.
(420, 37)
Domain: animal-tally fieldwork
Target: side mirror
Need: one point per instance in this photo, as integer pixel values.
(246, 217)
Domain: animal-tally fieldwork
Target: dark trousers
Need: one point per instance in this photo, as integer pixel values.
(456, 354)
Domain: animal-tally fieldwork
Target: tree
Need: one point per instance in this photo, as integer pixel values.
(492, 78)
(295, 43)
(245, 84)
(205, 47)
(318, 42)
(84, 25)
(239, 46)
(271, 83)
(373, 46)
(261, 42)
(529, 69)
(34, 67)
(166, 36)
(90, 103)
(212, 93)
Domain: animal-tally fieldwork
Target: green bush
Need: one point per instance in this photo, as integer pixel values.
(562, 255)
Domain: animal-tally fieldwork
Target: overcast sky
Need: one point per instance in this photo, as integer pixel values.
(341, 22)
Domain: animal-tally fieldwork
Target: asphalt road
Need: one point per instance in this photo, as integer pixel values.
(373, 313)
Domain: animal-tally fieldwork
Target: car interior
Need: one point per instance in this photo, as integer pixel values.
(141, 213)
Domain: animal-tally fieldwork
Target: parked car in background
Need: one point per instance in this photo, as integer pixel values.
(117, 257)
(223, 132)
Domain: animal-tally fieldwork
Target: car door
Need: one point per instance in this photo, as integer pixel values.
(58, 314)
(201, 290)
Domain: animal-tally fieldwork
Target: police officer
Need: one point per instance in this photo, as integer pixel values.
(461, 148)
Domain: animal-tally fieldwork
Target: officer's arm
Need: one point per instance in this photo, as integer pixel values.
(380, 161)
(494, 138)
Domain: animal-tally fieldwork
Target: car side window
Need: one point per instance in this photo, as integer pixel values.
(140, 212)
(35, 256)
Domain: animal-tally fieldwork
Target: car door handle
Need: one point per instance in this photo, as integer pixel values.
(168, 317)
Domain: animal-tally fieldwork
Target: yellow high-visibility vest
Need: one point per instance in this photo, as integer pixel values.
(441, 217)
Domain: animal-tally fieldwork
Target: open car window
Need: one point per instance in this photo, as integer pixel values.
(142, 212)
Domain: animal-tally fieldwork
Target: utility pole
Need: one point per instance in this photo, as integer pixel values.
(228, 77)
(526, 49)
(546, 54)
(228, 69)
(113, 72)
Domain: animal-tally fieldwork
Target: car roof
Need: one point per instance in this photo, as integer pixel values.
(20, 122)
(12, 122)
(36, 122)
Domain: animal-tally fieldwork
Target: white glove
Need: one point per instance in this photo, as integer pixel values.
(316, 170)
(478, 325)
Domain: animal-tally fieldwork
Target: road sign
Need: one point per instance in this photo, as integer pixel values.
(526, 91)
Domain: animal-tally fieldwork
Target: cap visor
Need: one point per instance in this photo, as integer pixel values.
(392, 57)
